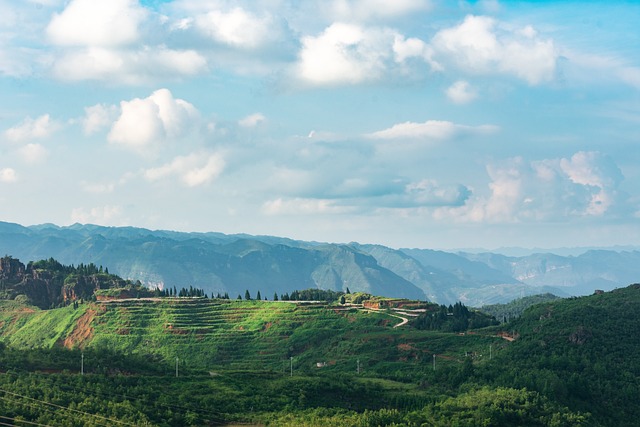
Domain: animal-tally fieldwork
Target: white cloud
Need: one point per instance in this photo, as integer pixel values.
(33, 153)
(98, 117)
(8, 175)
(586, 185)
(97, 23)
(597, 172)
(104, 215)
(349, 54)
(193, 170)
(480, 46)
(237, 28)
(431, 129)
(301, 206)
(461, 92)
(151, 120)
(252, 120)
(41, 127)
(118, 66)
(363, 10)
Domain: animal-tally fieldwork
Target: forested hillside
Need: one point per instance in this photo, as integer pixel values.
(582, 352)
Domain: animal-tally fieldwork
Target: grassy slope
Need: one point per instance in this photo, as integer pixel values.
(221, 334)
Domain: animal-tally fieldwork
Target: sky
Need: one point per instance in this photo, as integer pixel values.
(407, 123)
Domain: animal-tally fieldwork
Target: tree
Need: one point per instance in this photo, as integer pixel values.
(342, 299)
(247, 295)
(258, 296)
(348, 291)
(239, 296)
(275, 296)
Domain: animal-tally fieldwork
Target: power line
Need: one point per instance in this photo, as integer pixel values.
(68, 409)
(51, 410)
(209, 414)
(23, 421)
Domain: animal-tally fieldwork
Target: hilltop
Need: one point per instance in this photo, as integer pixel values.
(219, 263)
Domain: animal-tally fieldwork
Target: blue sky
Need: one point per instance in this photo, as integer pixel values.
(412, 123)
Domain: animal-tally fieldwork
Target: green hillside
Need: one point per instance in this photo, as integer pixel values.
(208, 334)
(209, 361)
(582, 352)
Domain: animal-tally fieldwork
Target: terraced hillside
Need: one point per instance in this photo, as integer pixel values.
(214, 334)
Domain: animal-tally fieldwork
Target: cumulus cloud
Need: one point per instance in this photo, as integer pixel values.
(98, 117)
(193, 170)
(8, 175)
(479, 45)
(461, 92)
(431, 129)
(29, 128)
(596, 172)
(237, 28)
(101, 23)
(585, 185)
(252, 120)
(122, 66)
(151, 120)
(349, 54)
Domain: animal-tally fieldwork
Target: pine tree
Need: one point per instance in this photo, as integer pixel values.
(247, 295)
(275, 296)
(258, 296)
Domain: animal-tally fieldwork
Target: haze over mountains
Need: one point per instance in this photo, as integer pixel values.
(223, 263)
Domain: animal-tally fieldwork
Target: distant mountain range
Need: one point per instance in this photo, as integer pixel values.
(223, 263)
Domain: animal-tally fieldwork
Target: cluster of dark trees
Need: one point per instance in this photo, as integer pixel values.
(183, 292)
(454, 318)
(312, 295)
(55, 266)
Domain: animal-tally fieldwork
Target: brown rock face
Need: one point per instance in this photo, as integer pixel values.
(48, 288)
(11, 269)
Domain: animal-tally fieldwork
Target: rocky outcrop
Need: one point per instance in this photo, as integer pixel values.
(11, 268)
(52, 287)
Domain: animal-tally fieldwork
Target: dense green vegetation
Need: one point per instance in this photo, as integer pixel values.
(196, 361)
(581, 352)
(455, 318)
(511, 310)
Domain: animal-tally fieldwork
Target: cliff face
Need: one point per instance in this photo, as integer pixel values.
(46, 288)
(11, 268)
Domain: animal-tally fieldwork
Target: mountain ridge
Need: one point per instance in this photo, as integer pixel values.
(218, 262)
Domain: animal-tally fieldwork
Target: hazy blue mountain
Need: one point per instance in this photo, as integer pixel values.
(576, 275)
(211, 261)
(218, 262)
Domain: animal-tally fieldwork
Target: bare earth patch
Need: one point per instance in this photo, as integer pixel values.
(83, 332)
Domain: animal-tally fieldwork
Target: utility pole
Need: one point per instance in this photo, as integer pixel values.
(434, 362)
(176, 367)
(291, 374)
(82, 363)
